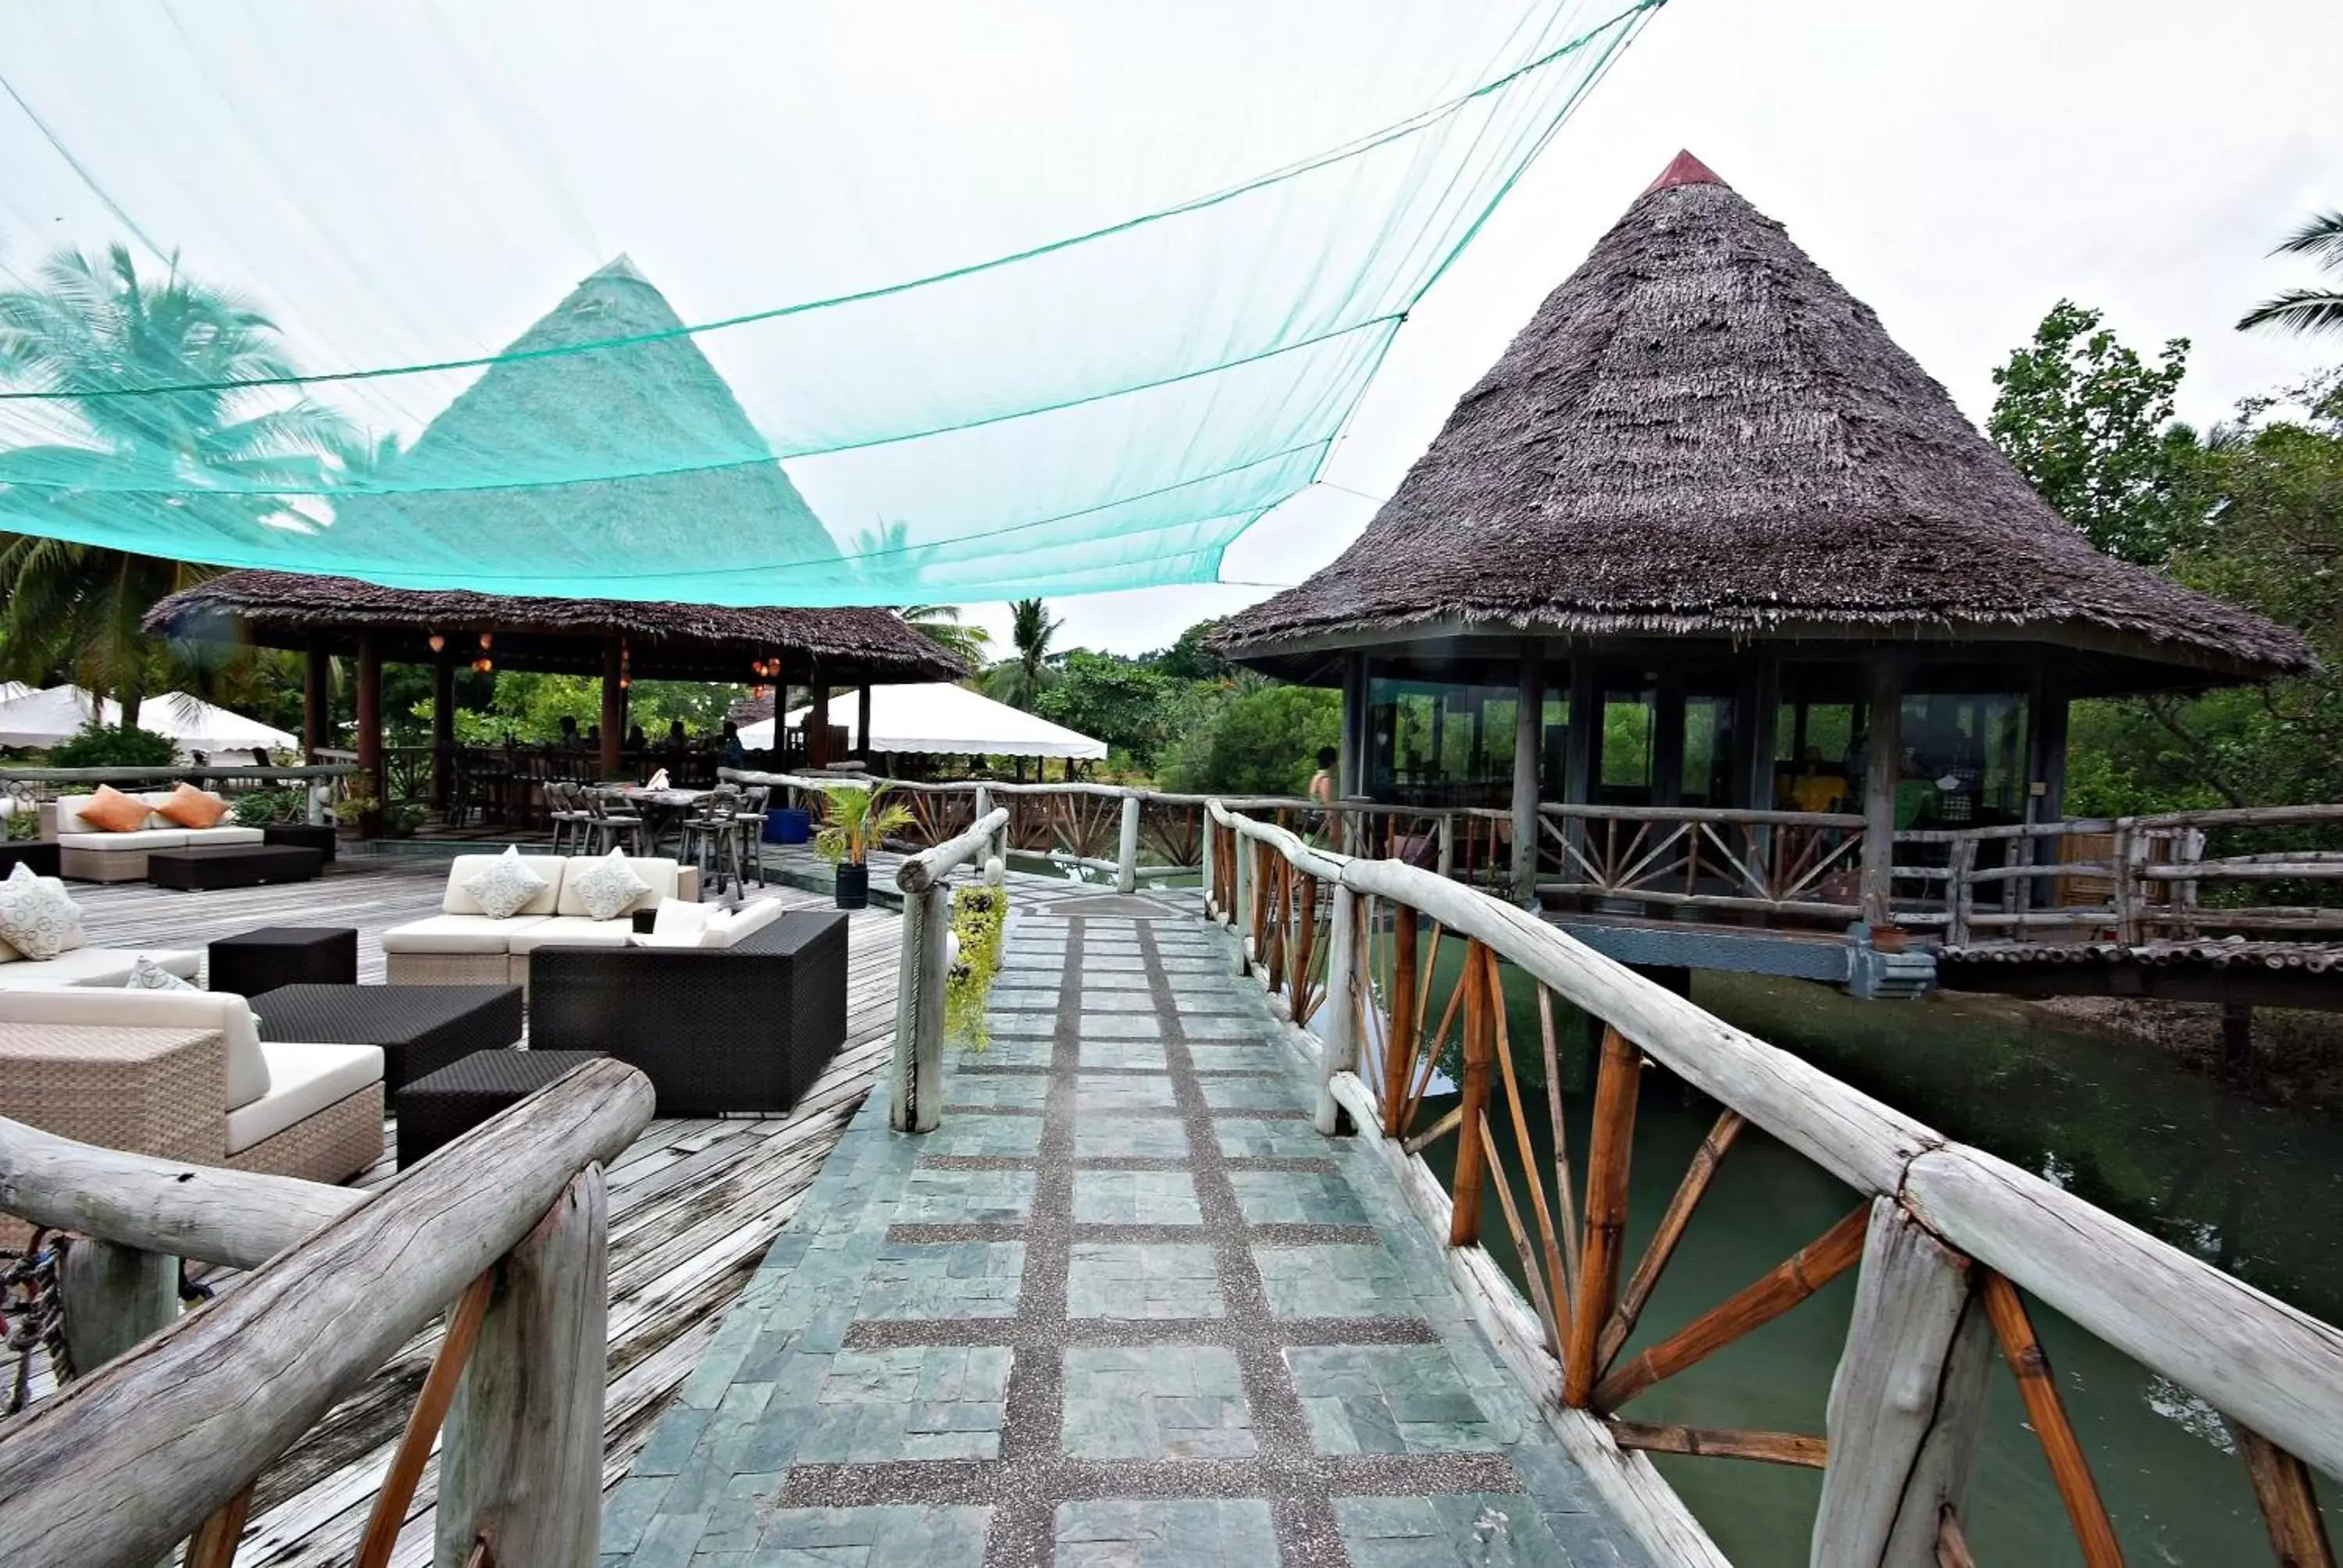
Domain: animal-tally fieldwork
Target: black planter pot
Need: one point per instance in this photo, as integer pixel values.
(853, 886)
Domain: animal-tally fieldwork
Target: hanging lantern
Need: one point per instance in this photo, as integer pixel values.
(484, 642)
(624, 682)
(484, 665)
(439, 643)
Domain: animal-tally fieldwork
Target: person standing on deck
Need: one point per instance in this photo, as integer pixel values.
(1321, 797)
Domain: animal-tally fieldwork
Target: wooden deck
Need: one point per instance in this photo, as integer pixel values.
(693, 1204)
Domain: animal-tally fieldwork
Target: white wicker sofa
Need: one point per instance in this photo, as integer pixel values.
(87, 966)
(184, 1075)
(464, 945)
(86, 853)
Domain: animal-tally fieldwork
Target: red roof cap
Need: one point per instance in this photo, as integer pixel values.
(1685, 170)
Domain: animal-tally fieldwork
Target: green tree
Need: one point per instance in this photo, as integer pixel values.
(2307, 309)
(93, 330)
(2089, 424)
(1120, 701)
(1188, 659)
(1260, 742)
(1020, 681)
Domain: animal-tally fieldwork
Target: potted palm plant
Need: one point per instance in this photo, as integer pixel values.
(854, 820)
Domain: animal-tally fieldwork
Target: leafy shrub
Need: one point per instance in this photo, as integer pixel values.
(114, 746)
(261, 806)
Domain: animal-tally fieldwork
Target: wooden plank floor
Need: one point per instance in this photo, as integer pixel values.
(693, 1204)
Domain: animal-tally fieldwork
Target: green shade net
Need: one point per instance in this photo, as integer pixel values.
(909, 303)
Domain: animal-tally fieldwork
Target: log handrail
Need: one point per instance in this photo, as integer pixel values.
(925, 870)
(127, 1461)
(2267, 1365)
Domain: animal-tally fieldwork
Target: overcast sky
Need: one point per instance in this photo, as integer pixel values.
(1957, 167)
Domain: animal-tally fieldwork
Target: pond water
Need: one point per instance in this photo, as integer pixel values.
(2254, 1190)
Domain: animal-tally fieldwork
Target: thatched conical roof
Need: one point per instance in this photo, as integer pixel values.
(1701, 433)
(652, 400)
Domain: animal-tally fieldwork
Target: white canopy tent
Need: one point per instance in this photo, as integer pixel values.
(56, 714)
(942, 718)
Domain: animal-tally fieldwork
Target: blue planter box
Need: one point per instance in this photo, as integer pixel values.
(788, 825)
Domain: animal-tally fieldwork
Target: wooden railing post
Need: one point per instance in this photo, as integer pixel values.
(916, 1074)
(521, 1462)
(1399, 1027)
(1472, 1166)
(1615, 1086)
(1907, 1403)
(114, 1296)
(1126, 851)
(1240, 896)
(1445, 864)
(1339, 1047)
(1960, 892)
(2124, 883)
(1215, 896)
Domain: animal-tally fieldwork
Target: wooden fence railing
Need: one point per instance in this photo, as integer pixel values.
(1948, 1243)
(916, 1076)
(2134, 879)
(506, 1228)
(1795, 863)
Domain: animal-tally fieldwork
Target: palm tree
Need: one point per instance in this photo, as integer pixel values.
(2308, 309)
(208, 451)
(1019, 681)
(939, 623)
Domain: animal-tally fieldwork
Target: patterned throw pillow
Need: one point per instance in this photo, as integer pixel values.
(504, 884)
(37, 919)
(149, 975)
(192, 808)
(608, 887)
(111, 811)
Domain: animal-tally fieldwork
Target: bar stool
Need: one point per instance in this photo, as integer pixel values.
(573, 824)
(610, 827)
(712, 838)
(751, 818)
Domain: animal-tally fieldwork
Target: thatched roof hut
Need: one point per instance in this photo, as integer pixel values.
(663, 641)
(1702, 435)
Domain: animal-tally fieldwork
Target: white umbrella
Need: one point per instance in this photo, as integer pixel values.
(46, 717)
(940, 719)
(194, 725)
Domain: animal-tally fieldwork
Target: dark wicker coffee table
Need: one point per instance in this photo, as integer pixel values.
(251, 962)
(318, 836)
(42, 855)
(437, 1109)
(420, 1027)
(231, 865)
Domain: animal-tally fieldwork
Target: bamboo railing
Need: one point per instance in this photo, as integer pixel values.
(506, 1228)
(1947, 1243)
(916, 1079)
(1801, 864)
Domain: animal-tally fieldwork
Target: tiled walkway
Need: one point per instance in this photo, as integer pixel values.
(1124, 1307)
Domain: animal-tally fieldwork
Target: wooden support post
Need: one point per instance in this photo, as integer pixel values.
(916, 1084)
(1960, 892)
(114, 1296)
(1339, 1045)
(317, 702)
(1472, 1164)
(1882, 766)
(521, 1462)
(817, 726)
(1240, 896)
(1126, 851)
(443, 729)
(1907, 1402)
(2290, 1507)
(1400, 1027)
(613, 723)
(2046, 1412)
(1351, 771)
(369, 737)
(1668, 740)
(1529, 732)
(862, 747)
(1444, 854)
(1613, 1139)
(424, 1423)
(1757, 726)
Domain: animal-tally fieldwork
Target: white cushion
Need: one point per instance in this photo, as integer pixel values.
(231, 1015)
(731, 925)
(572, 931)
(226, 833)
(142, 840)
(302, 1079)
(37, 917)
(681, 917)
(657, 875)
(671, 939)
(456, 933)
(459, 898)
(94, 967)
(604, 887)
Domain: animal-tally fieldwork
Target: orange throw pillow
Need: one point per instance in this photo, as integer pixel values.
(111, 811)
(191, 808)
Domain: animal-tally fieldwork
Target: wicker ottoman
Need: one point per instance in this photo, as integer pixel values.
(231, 865)
(420, 1027)
(438, 1108)
(261, 961)
(319, 836)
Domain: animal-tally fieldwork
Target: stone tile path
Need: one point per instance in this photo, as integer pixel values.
(1126, 1309)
